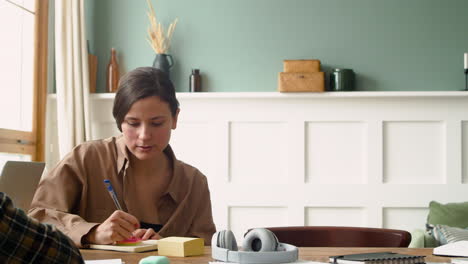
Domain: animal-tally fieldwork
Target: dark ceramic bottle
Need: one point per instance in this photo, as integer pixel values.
(113, 75)
(195, 81)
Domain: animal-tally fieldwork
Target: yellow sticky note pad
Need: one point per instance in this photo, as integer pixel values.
(180, 246)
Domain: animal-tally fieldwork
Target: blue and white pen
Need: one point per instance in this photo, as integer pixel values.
(112, 194)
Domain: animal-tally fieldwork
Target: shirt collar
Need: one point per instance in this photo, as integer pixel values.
(175, 188)
(122, 155)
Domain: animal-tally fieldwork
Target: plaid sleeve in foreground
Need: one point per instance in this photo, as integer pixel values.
(24, 240)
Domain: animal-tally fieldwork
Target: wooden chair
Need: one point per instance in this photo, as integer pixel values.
(336, 236)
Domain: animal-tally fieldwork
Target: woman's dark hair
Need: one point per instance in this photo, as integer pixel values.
(141, 83)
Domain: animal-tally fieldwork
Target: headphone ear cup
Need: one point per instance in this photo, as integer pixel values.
(227, 240)
(260, 239)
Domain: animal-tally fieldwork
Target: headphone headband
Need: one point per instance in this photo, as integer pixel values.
(290, 254)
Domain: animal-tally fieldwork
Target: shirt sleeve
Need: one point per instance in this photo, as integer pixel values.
(57, 198)
(26, 239)
(203, 225)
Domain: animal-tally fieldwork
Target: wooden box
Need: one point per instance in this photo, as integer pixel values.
(301, 82)
(301, 65)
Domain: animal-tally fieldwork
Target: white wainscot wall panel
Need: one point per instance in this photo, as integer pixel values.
(258, 152)
(360, 158)
(336, 152)
(334, 216)
(104, 129)
(404, 218)
(199, 144)
(414, 152)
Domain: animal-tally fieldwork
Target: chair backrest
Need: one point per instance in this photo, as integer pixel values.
(336, 236)
(19, 181)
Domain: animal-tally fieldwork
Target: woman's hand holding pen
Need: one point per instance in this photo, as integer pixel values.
(119, 226)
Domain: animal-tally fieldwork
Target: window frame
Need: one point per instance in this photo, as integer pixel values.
(25, 142)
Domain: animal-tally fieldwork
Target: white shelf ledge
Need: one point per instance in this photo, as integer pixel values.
(259, 95)
(277, 95)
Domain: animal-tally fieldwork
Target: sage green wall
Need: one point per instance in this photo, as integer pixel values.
(239, 45)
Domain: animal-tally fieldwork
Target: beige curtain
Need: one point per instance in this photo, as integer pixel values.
(72, 76)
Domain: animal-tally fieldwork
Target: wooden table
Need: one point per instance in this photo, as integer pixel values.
(305, 253)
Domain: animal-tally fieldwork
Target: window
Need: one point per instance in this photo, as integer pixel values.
(23, 79)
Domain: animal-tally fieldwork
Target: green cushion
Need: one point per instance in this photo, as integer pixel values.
(450, 214)
(430, 241)
(417, 238)
(421, 239)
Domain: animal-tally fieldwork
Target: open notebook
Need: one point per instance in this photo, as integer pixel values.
(146, 245)
(458, 249)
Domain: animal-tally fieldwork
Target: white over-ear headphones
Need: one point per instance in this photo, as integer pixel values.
(260, 247)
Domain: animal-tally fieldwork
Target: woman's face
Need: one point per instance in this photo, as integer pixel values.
(147, 127)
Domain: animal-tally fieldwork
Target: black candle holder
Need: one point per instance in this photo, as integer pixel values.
(466, 79)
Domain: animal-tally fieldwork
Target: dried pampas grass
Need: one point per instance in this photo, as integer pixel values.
(159, 40)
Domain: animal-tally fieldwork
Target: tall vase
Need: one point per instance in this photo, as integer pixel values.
(163, 62)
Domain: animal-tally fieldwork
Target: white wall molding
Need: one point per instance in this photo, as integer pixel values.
(349, 158)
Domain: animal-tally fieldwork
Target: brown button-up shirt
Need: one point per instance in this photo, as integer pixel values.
(74, 198)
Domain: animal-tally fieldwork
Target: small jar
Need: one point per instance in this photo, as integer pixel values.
(195, 81)
(342, 80)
